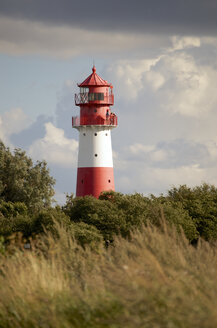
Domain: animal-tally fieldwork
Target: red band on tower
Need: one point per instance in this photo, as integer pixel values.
(94, 180)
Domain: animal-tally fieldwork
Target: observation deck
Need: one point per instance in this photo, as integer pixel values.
(97, 98)
(87, 120)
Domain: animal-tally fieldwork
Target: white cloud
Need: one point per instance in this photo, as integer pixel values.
(130, 76)
(174, 80)
(155, 79)
(155, 180)
(150, 152)
(119, 162)
(55, 148)
(13, 121)
(159, 156)
(156, 168)
(175, 153)
(189, 89)
(138, 148)
(212, 148)
(148, 179)
(191, 174)
(180, 43)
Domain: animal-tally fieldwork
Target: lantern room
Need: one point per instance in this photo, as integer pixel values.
(94, 99)
(94, 90)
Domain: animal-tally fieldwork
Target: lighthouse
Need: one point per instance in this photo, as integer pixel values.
(94, 124)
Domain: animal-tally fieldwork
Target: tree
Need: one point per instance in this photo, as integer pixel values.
(201, 204)
(23, 181)
(99, 213)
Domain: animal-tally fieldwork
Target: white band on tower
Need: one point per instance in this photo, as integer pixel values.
(95, 148)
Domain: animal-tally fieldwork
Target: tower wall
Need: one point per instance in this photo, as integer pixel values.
(94, 180)
(95, 164)
(95, 148)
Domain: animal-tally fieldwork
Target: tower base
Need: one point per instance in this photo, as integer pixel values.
(94, 180)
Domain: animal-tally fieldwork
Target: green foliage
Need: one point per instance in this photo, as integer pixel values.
(20, 223)
(114, 213)
(26, 191)
(176, 215)
(161, 208)
(14, 218)
(22, 181)
(134, 208)
(2, 245)
(85, 234)
(99, 213)
(46, 219)
(8, 209)
(201, 204)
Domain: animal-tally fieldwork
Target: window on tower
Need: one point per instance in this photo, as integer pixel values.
(84, 90)
(95, 96)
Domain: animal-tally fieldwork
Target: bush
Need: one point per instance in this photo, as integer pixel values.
(99, 213)
(201, 204)
(22, 181)
(86, 235)
(45, 220)
(114, 213)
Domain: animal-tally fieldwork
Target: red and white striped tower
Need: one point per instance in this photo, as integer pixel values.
(95, 164)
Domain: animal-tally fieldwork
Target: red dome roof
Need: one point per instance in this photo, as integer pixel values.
(94, 80)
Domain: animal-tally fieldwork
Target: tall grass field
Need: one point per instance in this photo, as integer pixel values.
(155, 279)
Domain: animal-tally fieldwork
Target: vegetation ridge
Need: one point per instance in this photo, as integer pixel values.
(117, 261)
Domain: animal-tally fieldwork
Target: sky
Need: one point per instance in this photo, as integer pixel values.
(160, 56)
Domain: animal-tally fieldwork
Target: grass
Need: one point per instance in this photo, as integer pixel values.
(155, 280)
